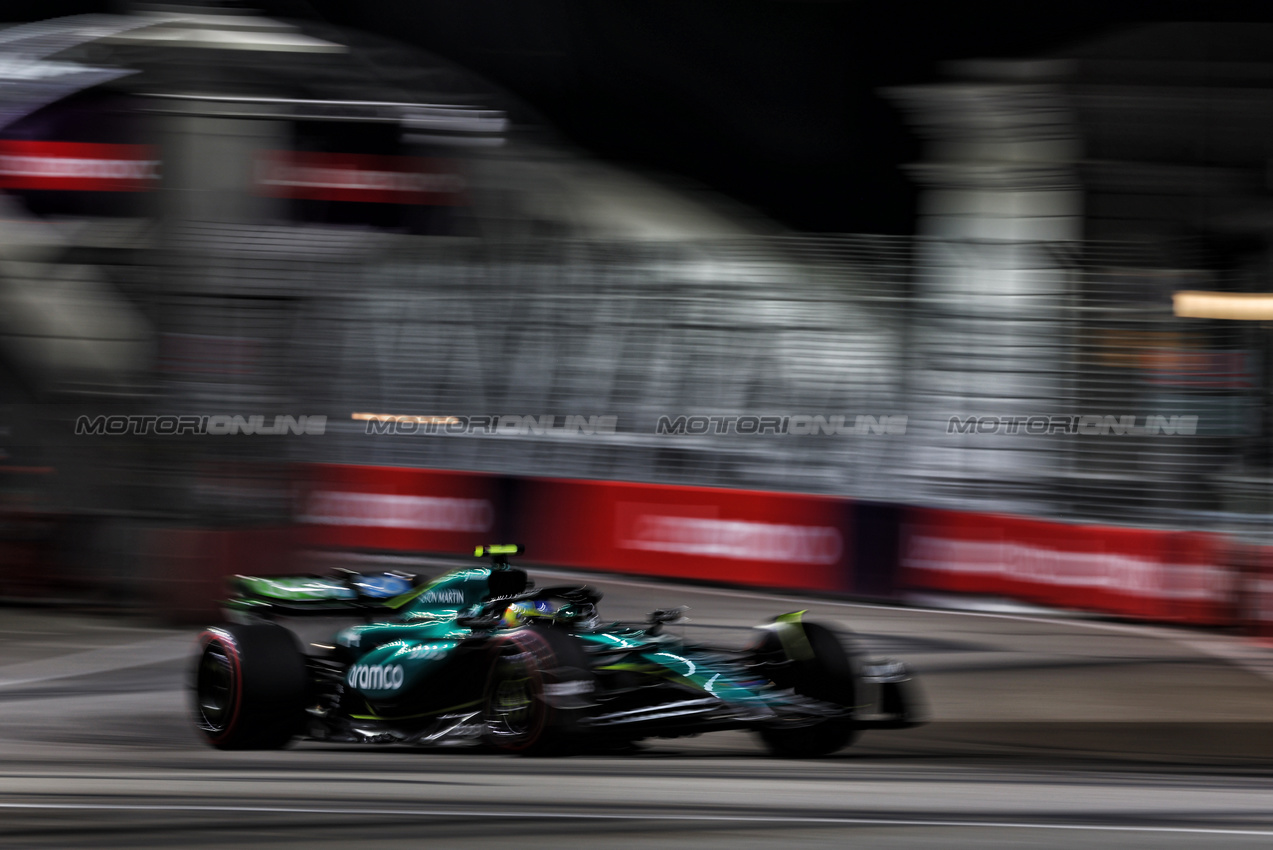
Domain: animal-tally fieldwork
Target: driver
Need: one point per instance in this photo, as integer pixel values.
(549, 611)
(526, 611)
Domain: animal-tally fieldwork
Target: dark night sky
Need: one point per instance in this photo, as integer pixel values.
(773, 102)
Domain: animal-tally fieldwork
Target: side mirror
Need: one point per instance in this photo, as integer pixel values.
(664, 615)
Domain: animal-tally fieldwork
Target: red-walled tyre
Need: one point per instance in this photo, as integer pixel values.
(249, 687)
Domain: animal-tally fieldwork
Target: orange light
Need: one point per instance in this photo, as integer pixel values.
(404, 417)
(1240, 306)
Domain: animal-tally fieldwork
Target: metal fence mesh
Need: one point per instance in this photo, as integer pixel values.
(315, 321)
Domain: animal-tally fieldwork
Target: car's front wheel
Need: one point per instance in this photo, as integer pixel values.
(821, 670)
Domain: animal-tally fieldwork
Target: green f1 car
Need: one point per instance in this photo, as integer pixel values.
(480, 657)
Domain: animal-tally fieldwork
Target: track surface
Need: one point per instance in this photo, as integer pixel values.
(1044, 733)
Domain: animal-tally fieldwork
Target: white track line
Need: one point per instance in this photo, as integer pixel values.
(118, 657)
(650, 816)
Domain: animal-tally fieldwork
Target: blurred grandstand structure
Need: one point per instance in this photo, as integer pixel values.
(341, 226)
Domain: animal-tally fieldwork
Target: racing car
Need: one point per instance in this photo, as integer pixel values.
(481, 657)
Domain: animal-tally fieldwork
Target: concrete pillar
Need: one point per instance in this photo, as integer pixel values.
(1000, 213)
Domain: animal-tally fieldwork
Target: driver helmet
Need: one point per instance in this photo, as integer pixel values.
(551, 610)
(520, 613)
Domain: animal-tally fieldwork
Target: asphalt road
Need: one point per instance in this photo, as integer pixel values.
(1044, 732)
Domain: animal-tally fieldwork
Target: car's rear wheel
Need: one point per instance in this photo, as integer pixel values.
(249, 687)
(823, 671)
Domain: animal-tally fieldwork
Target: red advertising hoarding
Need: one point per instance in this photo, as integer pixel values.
(1141, 573)
(363, 178)
(767, 539)
(78, 166)
(397, 509)
(734, 536)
